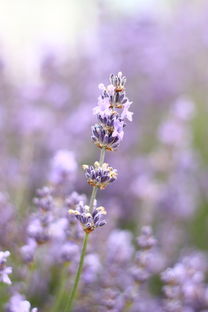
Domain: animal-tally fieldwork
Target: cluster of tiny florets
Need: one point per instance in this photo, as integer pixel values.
(184, 284)
(144, 258)
(38, 228)
(89, 220)
(100, 175)
(112, 111)
(44, 199)
(4, 269)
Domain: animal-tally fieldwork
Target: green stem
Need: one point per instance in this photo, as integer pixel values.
(69, 305)
(77, 278)
(94, 190)
(61, 290)
(102, 156)
(93, 196)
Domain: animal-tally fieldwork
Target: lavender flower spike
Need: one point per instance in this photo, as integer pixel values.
(4, 270)
(107, 135)
(145, 264)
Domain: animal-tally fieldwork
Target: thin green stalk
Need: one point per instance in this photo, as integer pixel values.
(94, 190)
(93, 196)
(61, 290)
(69, 305)
(102, 156)
(77, 278)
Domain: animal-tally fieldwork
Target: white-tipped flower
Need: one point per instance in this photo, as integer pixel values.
(63, 166)
(4, 270)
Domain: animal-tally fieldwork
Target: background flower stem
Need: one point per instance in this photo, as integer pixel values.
(61, 289)
(102, 156)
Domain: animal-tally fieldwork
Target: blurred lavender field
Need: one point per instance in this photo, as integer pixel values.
(152, 254)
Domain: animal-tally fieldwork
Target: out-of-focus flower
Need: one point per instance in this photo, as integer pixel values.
(183, 109)
(174, 130)
(63, 167)
(4, 270)
(68, 252)
(112, 300)
(38, 229)
(147, 260)
(7, 212)
(57, 229)
(92, 268)
(27, 251)
(58, 95)
(146, 239)
(184, 284)
(119, 246)
(18, 303)
(44, 201)
(146, 188)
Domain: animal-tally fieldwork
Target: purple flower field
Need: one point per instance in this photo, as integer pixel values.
(104, 168)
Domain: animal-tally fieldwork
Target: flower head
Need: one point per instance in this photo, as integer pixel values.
(44, 201)
(38, 229)
(4, 270)
(63, 167)
(100, 175)
(112, 109)
(147, 259)
(146, 239)
(27, 251)
(118, 81)
(18, 303)
(104, 138)
(88, 220)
